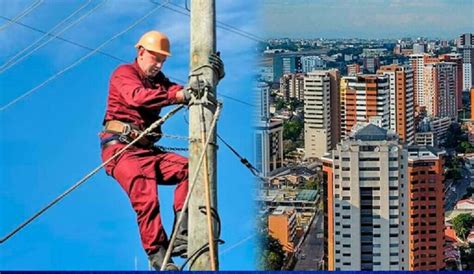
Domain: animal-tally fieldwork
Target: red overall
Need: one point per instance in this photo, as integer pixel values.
(137, 100)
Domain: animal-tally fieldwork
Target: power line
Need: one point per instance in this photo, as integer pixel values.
(64, 39)
(56, 36)
(225, 26)
(15, 60)
(219, 24)
(29, 92)
(22, 14)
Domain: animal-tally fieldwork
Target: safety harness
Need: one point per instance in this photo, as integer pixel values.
(126, 133)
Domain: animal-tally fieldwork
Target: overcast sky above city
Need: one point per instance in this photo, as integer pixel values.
(366, 18)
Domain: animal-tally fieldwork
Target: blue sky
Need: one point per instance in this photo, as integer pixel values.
(366, 18)
(48, 140)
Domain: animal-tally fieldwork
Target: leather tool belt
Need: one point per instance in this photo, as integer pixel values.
(126, 133)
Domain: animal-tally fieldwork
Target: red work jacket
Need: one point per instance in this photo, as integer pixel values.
(135, 99)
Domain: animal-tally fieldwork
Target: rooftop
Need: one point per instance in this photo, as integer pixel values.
(371, 133)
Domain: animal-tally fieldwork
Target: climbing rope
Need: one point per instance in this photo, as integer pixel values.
(191, 186)
(94, 171)
(210, 232)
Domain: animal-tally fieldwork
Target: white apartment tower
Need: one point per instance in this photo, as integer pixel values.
(466, 49)
(321, 120)
(367, 202)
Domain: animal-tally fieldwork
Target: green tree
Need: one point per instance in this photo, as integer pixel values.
(465, 147)
(270, 253)
(462, 224)
(279, 103)
(292, 130)
(294, 103)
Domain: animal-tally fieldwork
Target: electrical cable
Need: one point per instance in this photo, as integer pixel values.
(93, 172)
(31, 91)
(17, 58)
(64, 39)
(22, 14)
(219, 24)
(112, 57)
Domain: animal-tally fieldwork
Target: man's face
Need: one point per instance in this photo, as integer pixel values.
(150, 62)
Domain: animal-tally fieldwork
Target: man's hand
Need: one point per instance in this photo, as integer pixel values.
(217, 65)
(183, 96)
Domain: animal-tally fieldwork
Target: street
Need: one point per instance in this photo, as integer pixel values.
(312, 249)
(457, 189)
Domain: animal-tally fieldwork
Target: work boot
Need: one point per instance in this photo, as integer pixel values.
(180, 246)
(156, 260)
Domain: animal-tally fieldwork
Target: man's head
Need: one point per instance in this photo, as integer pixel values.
(153, 49)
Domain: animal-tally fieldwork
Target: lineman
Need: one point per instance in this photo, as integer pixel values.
(137, 92)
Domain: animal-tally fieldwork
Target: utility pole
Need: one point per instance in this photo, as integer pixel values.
(203, 43)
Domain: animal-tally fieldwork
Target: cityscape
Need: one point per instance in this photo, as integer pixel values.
(366, 153)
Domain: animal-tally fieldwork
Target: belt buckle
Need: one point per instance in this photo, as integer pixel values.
(126, 129)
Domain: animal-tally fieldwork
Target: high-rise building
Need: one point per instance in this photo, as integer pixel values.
(425, 208)
(292, 86)
(456, 58)
(268, 134)
(371, 64)
(321, 112)
(367, 198)
(364, 97)
(282, 226)
(285, 63)
(353, 69)
(419, 48)
(472, 104)
(262, 92)
(466, 49)
(269, 145)
(402, 113)
(439, 90)
(310, 63)
(417, 62)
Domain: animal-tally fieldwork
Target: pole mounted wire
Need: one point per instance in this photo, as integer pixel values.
(22, 14)
(23, 54)
(80, 60)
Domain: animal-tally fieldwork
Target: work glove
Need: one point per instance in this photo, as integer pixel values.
(198, 87)
(186, 94)
(217, 65)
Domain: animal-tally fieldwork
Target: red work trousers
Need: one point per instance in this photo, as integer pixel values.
(138, 172)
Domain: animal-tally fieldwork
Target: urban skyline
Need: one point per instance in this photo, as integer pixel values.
(376, 135)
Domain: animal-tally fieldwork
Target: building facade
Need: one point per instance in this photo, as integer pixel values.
(367, 193)
(321, 112)
(402, 111)
(282, 226)
(426, 208)
(466, 49)
(364, 97)
(439, 90)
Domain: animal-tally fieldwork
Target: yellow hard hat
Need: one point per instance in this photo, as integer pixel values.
(155, 41)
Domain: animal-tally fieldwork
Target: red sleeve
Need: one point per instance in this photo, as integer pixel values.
(127, 81)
